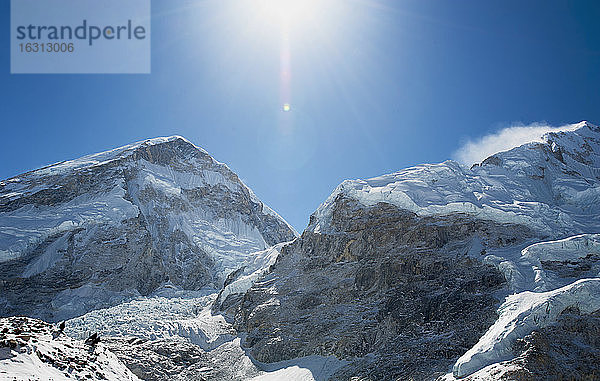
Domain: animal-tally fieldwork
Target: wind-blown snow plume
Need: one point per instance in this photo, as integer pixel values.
(475, 151)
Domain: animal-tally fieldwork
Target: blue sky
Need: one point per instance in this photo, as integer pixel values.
(374, 86)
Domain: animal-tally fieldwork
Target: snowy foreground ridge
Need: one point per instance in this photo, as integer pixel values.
(34, 350)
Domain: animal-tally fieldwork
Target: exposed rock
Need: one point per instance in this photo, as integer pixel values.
(396, 290)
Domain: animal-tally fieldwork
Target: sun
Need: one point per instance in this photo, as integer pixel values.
(292, 28)
(290, 13)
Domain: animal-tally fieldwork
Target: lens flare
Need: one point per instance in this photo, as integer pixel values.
(286, 107)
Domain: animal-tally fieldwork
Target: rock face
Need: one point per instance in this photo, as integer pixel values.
(570, 348)
(392, 288)
(88, 233)
(524, 313)
(402, 274)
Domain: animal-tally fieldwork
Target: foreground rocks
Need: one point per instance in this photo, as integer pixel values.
(31, 349)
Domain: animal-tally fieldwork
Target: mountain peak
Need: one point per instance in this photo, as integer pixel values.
(162, 140)
(130, 150)
(128, 220)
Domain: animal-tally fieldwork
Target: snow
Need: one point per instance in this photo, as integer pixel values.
(309, 368)
(171, 180)
(77, 301)
(51, 255)
(522, 313)
(105, 156)
(491, 372)
(571, 250)
(227, 239)
(289, 373)
(531, 187)
(42, 353)
(29, 225)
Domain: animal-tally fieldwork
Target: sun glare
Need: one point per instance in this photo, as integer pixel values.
(297, 28)
(287, 12)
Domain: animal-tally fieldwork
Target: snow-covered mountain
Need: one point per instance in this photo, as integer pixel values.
(402, 275)
(552, 187)
(91, 232)
(439, 271)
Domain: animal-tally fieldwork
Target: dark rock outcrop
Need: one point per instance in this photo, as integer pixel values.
(396, 294)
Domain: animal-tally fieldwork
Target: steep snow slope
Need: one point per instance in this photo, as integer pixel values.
(88, 233)
(33, 350)
(523, 313)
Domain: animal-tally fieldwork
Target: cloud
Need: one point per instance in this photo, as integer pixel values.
(475, 151)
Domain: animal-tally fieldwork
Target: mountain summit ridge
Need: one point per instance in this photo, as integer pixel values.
(538, 184)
